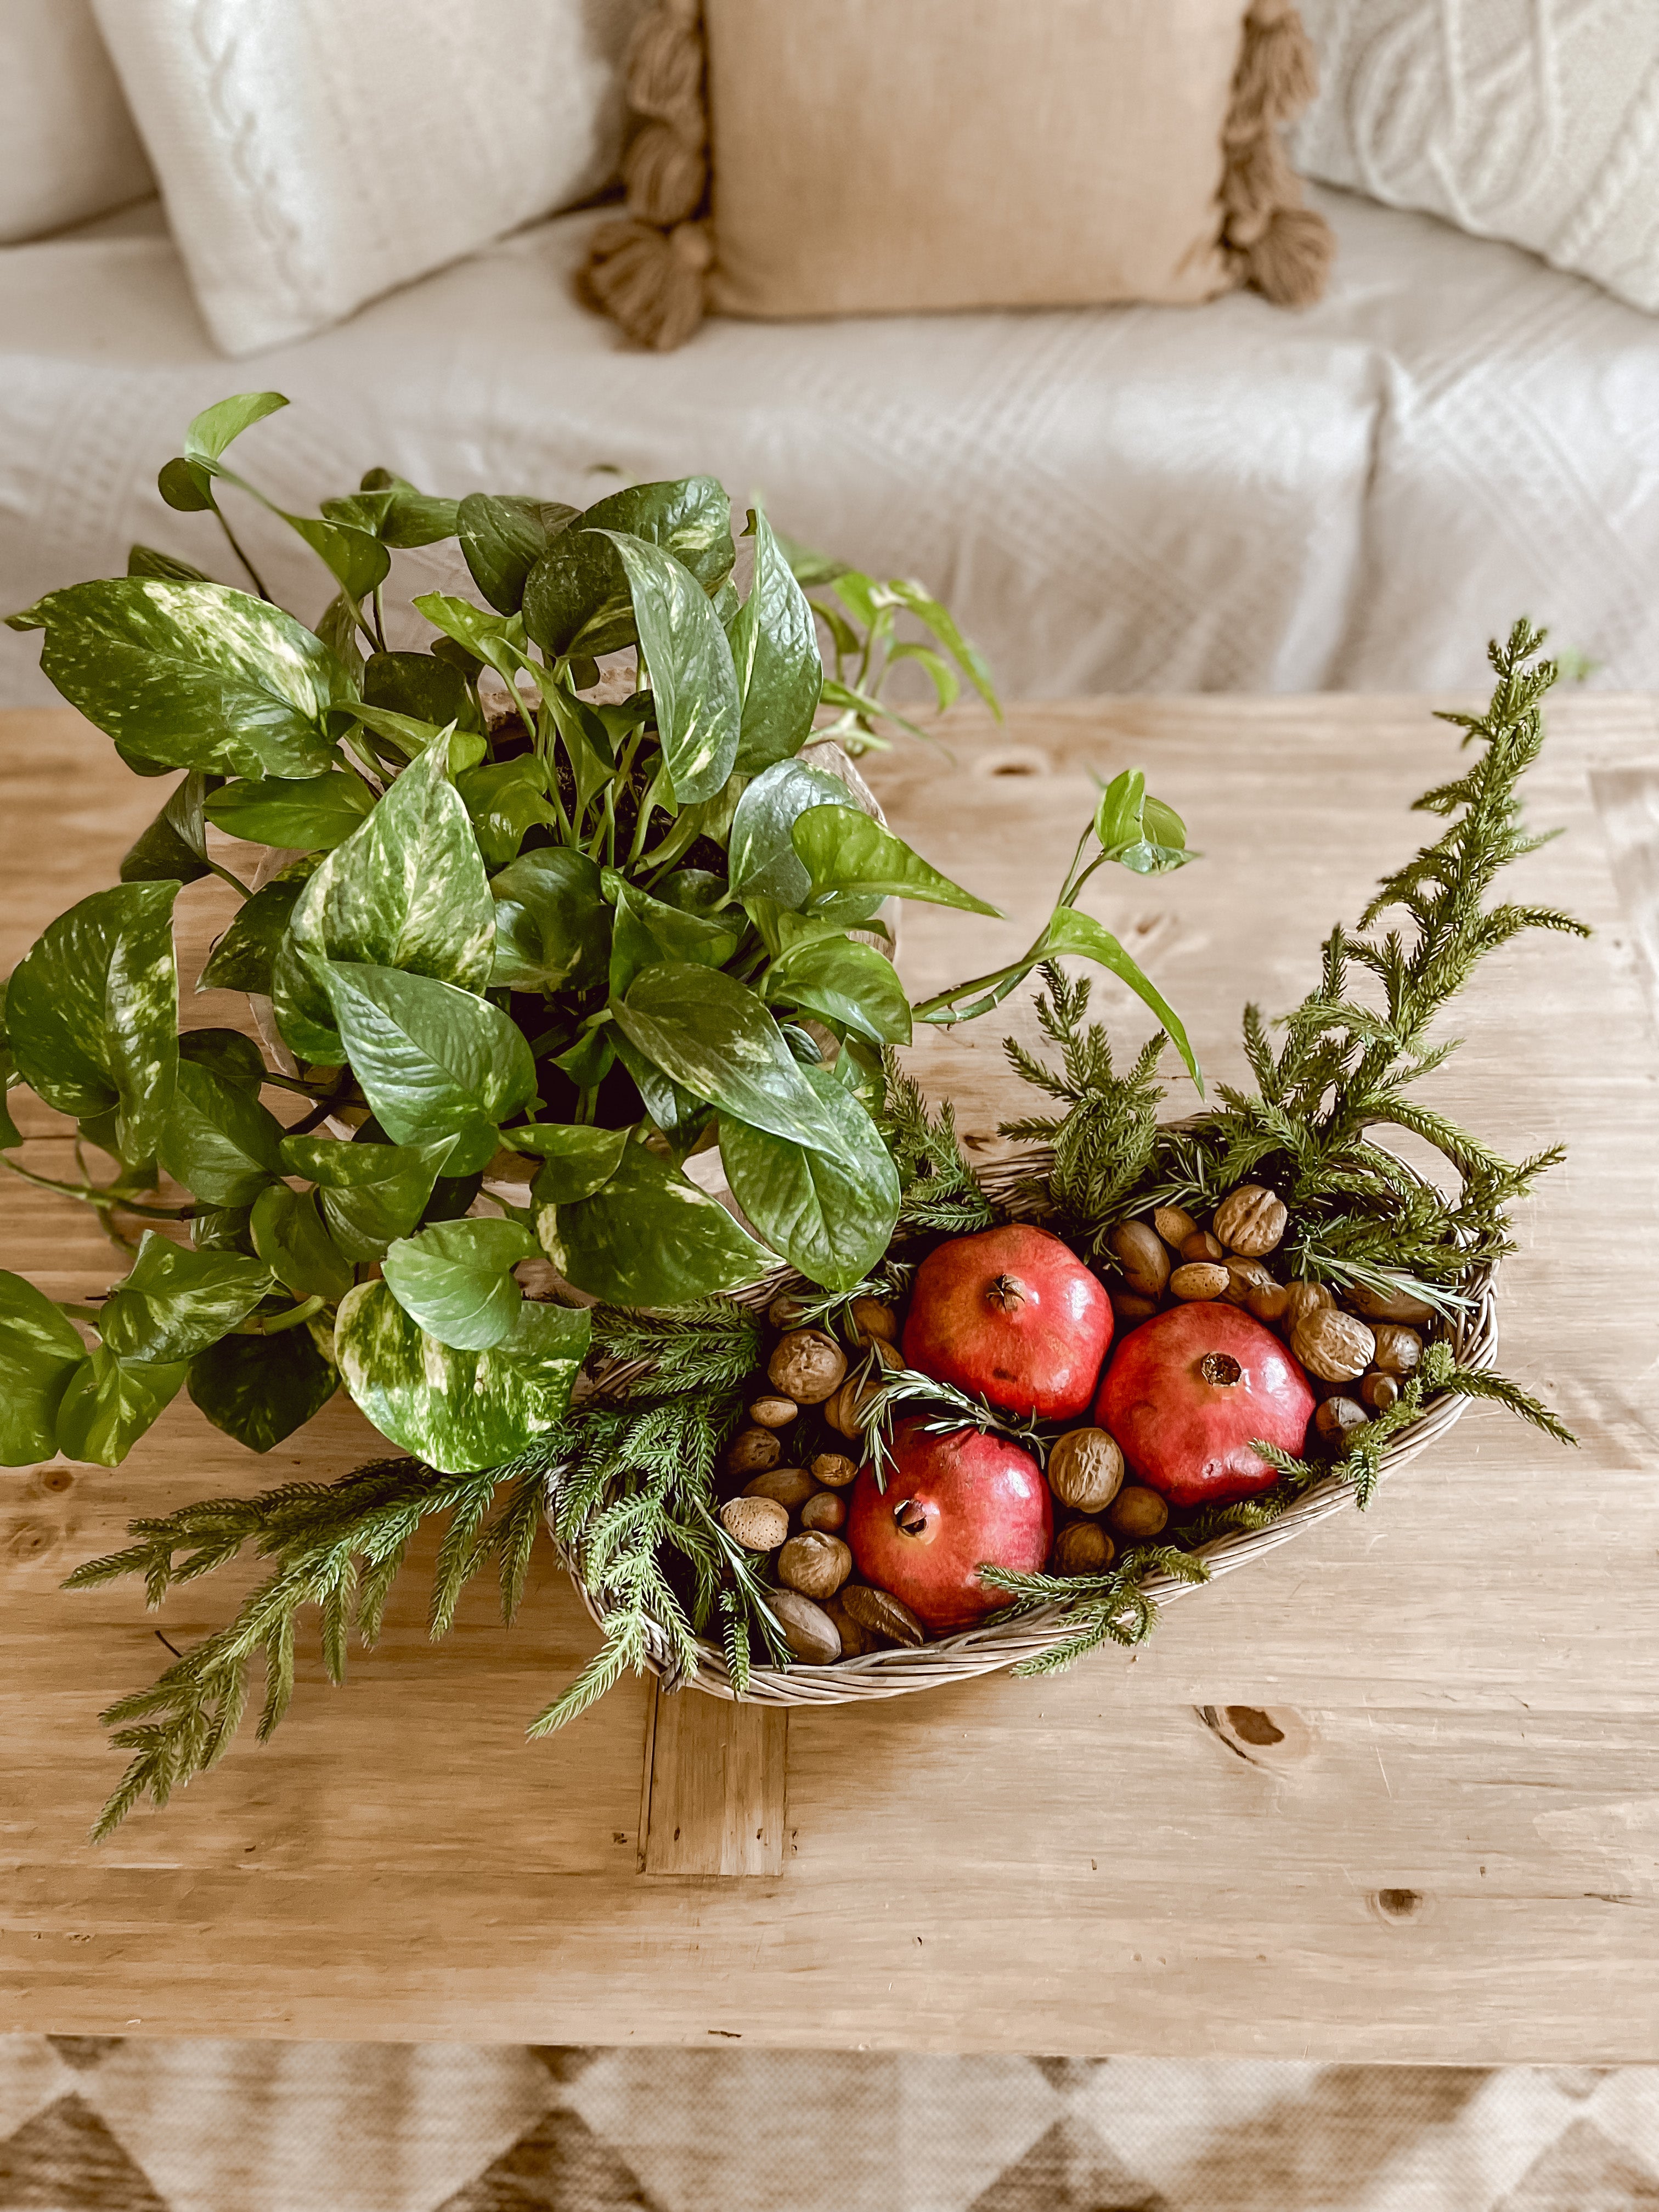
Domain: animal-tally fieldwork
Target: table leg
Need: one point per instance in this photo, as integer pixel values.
(713, 1787)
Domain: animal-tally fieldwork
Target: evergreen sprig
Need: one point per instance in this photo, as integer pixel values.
(938, 1188)
(1104, 1141)
(709, 1345)
(1113, 1608)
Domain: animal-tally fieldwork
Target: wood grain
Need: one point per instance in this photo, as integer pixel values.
(715, 1804)
(1394, 1793)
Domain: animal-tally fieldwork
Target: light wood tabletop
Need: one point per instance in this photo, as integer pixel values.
(1390, 1793)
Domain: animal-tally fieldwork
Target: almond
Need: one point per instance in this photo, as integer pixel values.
(759, 1524)
(1199, 1278)
(1174, 1224)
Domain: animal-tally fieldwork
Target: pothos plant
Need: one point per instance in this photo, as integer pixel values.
(522, 915)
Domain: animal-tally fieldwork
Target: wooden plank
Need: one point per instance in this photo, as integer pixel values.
(716, 1802)
(1464, 1682)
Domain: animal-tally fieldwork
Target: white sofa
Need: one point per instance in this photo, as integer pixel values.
(1227, 497)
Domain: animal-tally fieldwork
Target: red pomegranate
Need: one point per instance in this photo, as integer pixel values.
(1013, 1316)
(953, 1503)
(1188, 1391)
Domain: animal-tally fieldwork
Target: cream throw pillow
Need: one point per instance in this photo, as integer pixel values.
(68, 149)
(1535, 121)
(315, 153)
(889, 155)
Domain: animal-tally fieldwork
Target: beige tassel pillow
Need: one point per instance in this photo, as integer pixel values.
(833, 157)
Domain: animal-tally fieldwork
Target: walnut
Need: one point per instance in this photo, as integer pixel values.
(1396, 1305)
(870, 1317)
(887, 1353)
(1135, 1513)
(1302, 1298)
(806, 1365)
(1379, 1392)
(835, 1470)
(1085, 1470)
(843, 1411)
(880, 1614)
(1332, 1344)
(854, 1640)
(1174, 1224)
(1199, 1278)
(1139, 1252)
(1201, 1247)
(1398, 1350)
(752, 1449)
(1251, 1220)
(816, 1564)
(790, 1486)
(824, 1509)
(808, 1630)
(1334, 1417)
(773, 1413)
(759, 1524)
(1083, 1547)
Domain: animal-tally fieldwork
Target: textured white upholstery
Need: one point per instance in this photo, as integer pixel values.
(68, 149)
(1532, 120)
(1225, 497)
(313, 154)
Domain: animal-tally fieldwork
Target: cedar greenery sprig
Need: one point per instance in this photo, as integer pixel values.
(1347, 1063)
(1113, 1608)
(903, 1389)
(938, 1188)
(1104, 1141)
(709, 1345)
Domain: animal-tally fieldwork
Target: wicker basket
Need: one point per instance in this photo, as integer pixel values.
(1472, 1333)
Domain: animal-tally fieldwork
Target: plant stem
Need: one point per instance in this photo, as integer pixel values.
(235, 548)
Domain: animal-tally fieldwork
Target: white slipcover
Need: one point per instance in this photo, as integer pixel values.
(1228, 497)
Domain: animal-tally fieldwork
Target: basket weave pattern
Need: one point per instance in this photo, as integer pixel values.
(1472, 1335)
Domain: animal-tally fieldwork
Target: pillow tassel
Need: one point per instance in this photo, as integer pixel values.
(648, 270)
(1280, 247)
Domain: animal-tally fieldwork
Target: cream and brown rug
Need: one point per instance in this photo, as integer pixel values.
(98, 2125)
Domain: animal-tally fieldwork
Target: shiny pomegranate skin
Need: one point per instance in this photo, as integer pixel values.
(953, 1502)
(1012, 1315)
(1188, 1390)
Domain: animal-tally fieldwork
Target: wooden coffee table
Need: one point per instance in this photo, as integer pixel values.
(1391, 1793)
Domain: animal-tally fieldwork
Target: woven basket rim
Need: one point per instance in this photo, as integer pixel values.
(903, 1670)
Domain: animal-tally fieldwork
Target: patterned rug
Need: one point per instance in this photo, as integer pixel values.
(94, 2124)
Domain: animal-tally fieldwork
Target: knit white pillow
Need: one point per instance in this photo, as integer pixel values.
(316, 153)
(1535, 121)
(68, 145)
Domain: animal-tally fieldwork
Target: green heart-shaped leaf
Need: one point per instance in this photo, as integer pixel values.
(552, 925)
(774, 650)
(260, 1389)
(456, 1280)
(220, 1144)
(830, 1214)
(693, 680)
(649, 1237)
(761, 854)
(109, 1403)
(175, 1302)
(716, 1040)
(289, 1235)
(39, 1350)
(310, 813)
(370, 1194)
(460, 1411)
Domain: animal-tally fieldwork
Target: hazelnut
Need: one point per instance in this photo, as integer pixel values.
(854, 1641)
(806, 1365)
(870, 1317)
(773, 1413)
(759, 1524)
(751, 1451)
(1302, 1298)
(786, 1310)
(843, 1412)
(824, 1509)
(1083, 1547)
(1246, 1278)
(880, 1614)
(1395, 1305)
(1140, 1254)
(808, 1630)
(816, 1564)
(1129, 1308)
(1201, 1246)
(1085, 1470)
(1136, 1513)
(1251, 1220)
(1197, 1278)
(1332, 1344)
(1398, 1349)
(1379, 1392)
(790, 1486)
(835, 1470)
(1334, 1417)
(1174, 1224)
